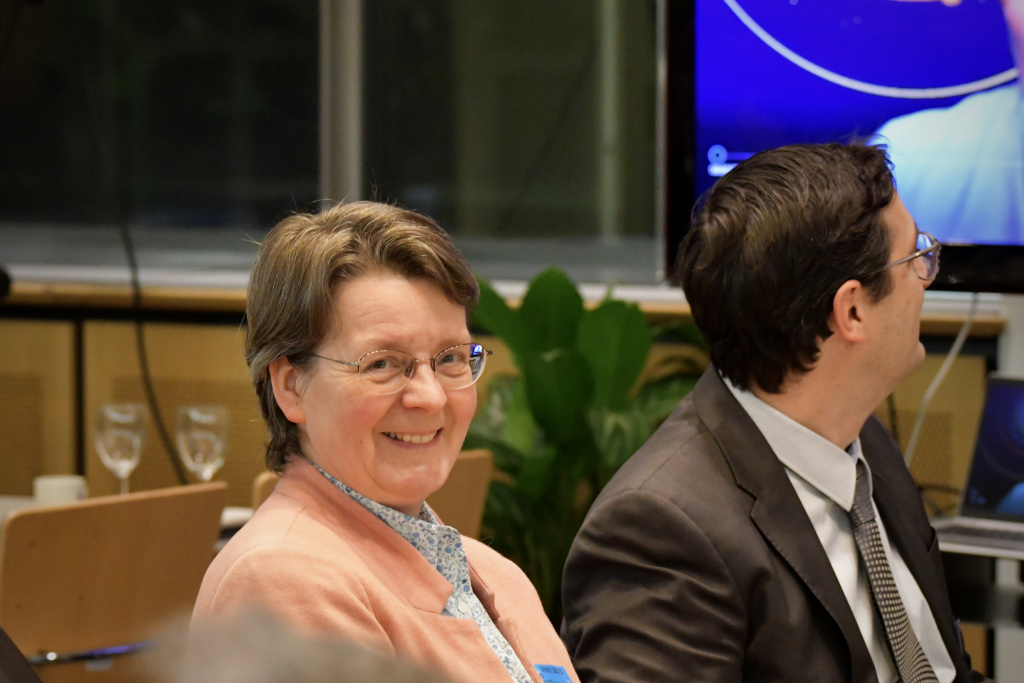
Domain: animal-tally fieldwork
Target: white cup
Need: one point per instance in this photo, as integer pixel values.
(59, 489)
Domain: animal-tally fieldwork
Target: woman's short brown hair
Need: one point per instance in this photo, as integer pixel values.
(304, 261)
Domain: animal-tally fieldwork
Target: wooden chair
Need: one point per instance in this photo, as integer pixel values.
(88, 580)
(460, 502)
(262, 486)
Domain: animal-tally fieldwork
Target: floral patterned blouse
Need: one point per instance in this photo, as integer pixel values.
(442, 547)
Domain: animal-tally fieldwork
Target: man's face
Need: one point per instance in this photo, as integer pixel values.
(894, 322)
(1013, 10)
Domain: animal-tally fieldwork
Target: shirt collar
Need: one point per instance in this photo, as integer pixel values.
(812, 457)
(423, 532)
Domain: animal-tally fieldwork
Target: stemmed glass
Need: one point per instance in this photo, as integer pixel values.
(120, 432)
(202, 434)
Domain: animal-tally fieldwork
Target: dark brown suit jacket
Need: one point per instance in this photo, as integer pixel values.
(698, 562)
(14, 667)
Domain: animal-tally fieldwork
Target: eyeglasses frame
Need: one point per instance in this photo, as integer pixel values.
(432, 360)
(936, 247)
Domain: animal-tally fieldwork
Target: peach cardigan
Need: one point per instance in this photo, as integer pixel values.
(327, 565)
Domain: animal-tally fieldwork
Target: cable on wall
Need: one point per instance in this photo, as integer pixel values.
(141, 352)
(929, 394)
(115, 171)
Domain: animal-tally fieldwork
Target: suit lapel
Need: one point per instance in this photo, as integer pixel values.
(776, 509)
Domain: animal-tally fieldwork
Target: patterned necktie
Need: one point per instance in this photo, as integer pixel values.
(906, 650)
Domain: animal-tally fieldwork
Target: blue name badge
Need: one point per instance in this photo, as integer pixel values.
(549, 673)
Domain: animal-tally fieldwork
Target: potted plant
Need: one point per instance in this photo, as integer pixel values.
(576, 411)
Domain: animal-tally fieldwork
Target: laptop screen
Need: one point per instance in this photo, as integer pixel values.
(995, 485)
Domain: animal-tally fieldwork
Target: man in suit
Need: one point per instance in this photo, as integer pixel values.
(724, 550)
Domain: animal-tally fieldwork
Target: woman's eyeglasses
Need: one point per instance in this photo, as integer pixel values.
(388, 372)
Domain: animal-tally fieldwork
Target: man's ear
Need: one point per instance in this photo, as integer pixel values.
(848, 309)
(285, 379)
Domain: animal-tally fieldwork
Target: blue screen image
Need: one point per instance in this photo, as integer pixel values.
(936, 83)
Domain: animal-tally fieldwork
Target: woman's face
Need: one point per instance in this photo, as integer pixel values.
(395, 449)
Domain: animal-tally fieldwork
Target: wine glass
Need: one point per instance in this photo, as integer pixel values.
(120, 432)
(202, 433)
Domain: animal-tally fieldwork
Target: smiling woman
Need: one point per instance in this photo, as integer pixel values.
(360, 353)
(395, 448)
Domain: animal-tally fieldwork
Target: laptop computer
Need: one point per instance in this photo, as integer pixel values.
(990, 517)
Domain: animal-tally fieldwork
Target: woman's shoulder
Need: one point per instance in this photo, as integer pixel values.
(479, 552)
(287, 562)
(495, 569)
(282, 522)
(277, 545)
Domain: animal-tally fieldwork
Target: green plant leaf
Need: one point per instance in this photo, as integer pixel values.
(618, 435)
(495, 316)
(538, 473)
(490, 418)
(563, 427)
(519, 429)
(551, 310)
(659, 398)
(505, 518)
(615, 338)
(559, 390)
(680, 332)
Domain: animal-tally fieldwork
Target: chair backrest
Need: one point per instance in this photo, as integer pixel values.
(262, 486)
(460, 502)
(105, 571)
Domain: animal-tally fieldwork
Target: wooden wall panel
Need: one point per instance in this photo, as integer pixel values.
(946, 444)
(37, 402)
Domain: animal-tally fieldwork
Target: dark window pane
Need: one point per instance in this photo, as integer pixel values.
(185, 113)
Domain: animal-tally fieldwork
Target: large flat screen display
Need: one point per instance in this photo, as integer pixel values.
(934, 81)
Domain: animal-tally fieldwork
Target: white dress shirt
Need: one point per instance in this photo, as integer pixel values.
(824, 477)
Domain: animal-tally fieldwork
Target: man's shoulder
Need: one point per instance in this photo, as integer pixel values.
(885, 459)
(878, 444)
(682, 464)
(680, 436)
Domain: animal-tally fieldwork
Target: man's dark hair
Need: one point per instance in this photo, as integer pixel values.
(771, 243)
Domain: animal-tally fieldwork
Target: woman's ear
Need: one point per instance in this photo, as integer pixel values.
(848, 309)
(285, 379)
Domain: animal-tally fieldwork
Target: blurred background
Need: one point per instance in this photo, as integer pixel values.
(527, 128)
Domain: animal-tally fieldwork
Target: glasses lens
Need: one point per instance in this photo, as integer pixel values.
(477, 360)
(459, 366)
(385, 367)
(930, 257)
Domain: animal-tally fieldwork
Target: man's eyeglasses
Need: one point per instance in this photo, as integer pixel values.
(927, 265)
(388, 372)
